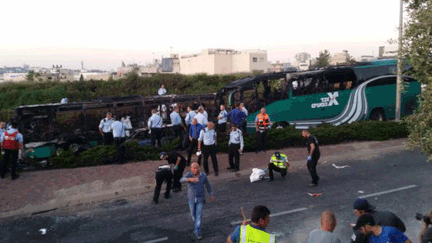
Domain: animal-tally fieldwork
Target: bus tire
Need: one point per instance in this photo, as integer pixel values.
(280, 125)
(377, 115)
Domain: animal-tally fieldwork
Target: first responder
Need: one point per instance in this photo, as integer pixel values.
(279, 163)
(105, 128)
(179, 163)
(262, 124)
(163, 174)
(11, 142)
(255, 230)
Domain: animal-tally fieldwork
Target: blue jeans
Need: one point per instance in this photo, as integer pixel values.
(196, 209)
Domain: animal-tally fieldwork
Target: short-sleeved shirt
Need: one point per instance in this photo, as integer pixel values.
(388, 235)
(207, 136)
(235, 236)
(201, 119)
(427, 237)
(105, 125)
(313, 140)
(175, 118)
(223, 114)
(189, 117)
(155, 121)
(322, 236)
(19, 137)
(118, 129)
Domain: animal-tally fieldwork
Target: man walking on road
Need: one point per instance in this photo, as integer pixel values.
(379, 234)
(208, 140)
(235, 147)
(279, 163)
(325, 233)
(155, 126)
(196, 195)
(313, 156)
(105, 128)
(384, 218)
(255, 230)
(11, 143)
(179, 164)
(262, 124)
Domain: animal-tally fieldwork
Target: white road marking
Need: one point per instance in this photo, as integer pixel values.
(276, 214)
(388, 191)
(157, 240)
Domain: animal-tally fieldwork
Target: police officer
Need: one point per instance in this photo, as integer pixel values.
(163, 174)
(262, 124)
(279, 163)
(222, 119)
(313, 156)
(235, 147)
(201, 117)
(179, 163)
(177, 125)
(194, 133)
(190, 116)
(155, 126)
(207, 140)
(11, 143)
(119, 133)
(105, 128)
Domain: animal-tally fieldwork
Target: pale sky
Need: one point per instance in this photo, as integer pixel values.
(103, 33)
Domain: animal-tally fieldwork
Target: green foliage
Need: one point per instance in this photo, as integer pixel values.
(417, 48)
(323, 60)
(30, 76)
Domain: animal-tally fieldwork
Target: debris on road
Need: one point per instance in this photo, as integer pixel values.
(360, 191)
(43, 231)
(315, 194)
(340, 167)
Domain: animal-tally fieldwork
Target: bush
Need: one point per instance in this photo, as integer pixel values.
(278, 139)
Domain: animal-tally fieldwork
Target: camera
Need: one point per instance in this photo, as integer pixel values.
(421, 217)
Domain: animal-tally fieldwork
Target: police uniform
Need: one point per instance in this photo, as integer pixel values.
(178, 170)
(119, 134)
(235, 143)
(221, 126)
(155, 126)
(194, 133)
(176, 123)
(263, 121)
(163, 173)
(278, 164)
(208, 139)
(11, 141)
(105, 125)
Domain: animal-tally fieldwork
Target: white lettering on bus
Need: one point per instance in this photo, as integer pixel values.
(327, 101)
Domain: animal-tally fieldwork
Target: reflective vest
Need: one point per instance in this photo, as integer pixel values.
(10, 142)
(263, 121)
(249, 234)
(280, 162)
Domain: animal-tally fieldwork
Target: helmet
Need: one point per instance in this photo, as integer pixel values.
(162, 155)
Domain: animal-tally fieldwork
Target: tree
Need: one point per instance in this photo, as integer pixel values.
(417, 49)
(323, 60)
(81, 78)
(30, 76)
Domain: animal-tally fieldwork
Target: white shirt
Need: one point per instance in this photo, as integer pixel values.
(207, 137)
(223, 117)
(105, 124)
(175, 118)
(128, 124)
(245, 111)
(162, 91)
(119, 129)
(201, 119)
(236, 137)
(189, 117)
(205, 114)
(155, 121)
(64, 101)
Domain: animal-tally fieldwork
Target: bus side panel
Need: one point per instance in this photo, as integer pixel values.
(410, 98)
(381, 97)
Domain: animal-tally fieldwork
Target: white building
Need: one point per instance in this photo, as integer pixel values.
(365, 58)
(14, 77)
(388, 51)
(224, 61)
(338, 58)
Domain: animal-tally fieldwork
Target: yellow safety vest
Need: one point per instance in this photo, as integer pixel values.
(279, 162)
(249, 234)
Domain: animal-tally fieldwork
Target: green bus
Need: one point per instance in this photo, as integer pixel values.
(334, 95)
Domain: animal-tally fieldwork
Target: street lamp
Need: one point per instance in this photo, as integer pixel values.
(399, 67)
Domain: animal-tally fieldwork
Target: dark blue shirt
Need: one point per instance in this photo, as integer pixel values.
(236, 116)
(388, 234)
(195, 128)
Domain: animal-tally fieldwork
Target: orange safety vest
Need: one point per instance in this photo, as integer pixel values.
(263, 121)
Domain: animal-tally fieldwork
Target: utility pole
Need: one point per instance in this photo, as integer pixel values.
(399, 67)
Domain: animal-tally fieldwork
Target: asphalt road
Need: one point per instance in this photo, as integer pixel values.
(397, 181)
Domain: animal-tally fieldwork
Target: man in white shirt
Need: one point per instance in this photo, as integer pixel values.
(177, 126)
(105, 128)
(162, 90)
(325, 233)
(155, 126)
(201, 118)
(235, 147)
(119, 134)
(222, 119)
(208, 139)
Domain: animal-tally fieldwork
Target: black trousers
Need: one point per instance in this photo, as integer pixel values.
(120, 149)
(272, 167)
(234, 156)
(312, 168)
(210, 150)
(178, 175)
(221, 129)
(261, 140)
(8, 155)
(156, 137)
(108, 138)
(162, 176)
(191, 150)
(178, 132)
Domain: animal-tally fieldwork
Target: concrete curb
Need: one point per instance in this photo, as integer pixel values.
(97, 191)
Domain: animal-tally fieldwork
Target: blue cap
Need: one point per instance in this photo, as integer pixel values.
(363, 204)
(162, 155)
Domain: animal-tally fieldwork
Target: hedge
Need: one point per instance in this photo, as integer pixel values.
(278, 139)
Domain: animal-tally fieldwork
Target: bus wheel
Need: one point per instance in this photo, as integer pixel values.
(280, 125)
(377, 115)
